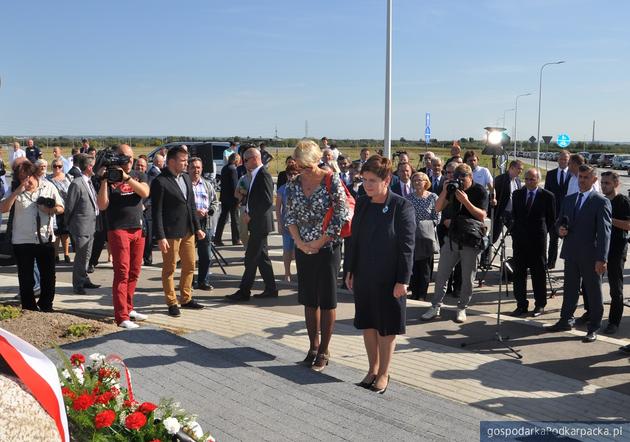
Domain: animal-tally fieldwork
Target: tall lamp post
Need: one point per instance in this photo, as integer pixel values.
(387, 138)
(505, 112)
(539, 101)
(516, 116)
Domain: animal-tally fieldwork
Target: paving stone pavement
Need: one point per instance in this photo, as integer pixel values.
(251, 388)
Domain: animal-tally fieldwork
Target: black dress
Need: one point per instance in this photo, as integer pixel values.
(375, 305)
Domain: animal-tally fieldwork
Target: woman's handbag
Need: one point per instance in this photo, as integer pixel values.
(346, 229)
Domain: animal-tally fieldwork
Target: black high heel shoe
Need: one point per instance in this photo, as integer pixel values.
(380, 390)
(366, 384)
(310, 358)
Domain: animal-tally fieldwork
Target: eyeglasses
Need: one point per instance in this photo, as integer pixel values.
(57, 166)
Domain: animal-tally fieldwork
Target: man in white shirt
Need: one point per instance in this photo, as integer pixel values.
(17, 152)
(481, 175)
(575, 161)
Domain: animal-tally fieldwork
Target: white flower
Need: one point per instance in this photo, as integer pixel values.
(79, 374)
(195, 428)
(121, 418)
(171, 424)
(96, 358)
(65, 374)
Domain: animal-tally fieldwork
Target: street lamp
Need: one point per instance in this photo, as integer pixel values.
(515, 116)
(539, 101)
(387, 138)
(505, 112)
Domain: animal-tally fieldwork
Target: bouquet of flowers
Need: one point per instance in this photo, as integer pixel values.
(100, 409)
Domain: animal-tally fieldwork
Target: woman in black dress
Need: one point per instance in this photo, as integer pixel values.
(380, 265)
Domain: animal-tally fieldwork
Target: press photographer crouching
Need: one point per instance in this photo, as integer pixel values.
(463, 205)
(33, 202)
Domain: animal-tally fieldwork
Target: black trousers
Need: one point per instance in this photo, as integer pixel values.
(26, 255)
(533, 260)
(148, 240)
(552, 253)
(257, 256)
(421, 277)
(203, 252)
(616, 263)
(232, 210)
(100, 236)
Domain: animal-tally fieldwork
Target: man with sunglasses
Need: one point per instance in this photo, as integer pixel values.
(466, 203)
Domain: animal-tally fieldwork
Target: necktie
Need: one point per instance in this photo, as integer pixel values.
(404, 189)
(530, 200)
(578, 204)
(561, 178)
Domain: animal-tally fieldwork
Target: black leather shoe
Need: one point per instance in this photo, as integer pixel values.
(538, 311)
(147, 262)
(173, 310)
(90, 269)
(204, 286)
(380, 390)
(590, 337)
(237, 297)
(90, 285)
(194, 305)
(66, 259)
(559, 326)
(519, 311)
(267, 294)
(611, 329)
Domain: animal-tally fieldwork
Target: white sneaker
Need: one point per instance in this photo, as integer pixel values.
(137, 316)
(461, 315)
(128, 324)
(431, 313)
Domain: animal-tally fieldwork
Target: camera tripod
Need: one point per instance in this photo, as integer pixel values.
(218, 257)
(503, 287)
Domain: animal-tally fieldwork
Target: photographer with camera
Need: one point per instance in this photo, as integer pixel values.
(34, 202)
(463, 204)
(121, 194)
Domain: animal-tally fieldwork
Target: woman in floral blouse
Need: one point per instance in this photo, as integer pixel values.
(427, 218)
(317, 254)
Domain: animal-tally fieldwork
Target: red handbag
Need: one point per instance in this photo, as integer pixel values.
(346, 229)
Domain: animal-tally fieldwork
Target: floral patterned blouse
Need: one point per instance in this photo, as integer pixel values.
(424, 207)
(307, 213)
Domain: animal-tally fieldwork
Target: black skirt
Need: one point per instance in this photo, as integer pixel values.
(317, 277)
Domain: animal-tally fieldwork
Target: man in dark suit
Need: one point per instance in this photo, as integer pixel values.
(229, 202)
(259, 220)
(584, 224)
(175, 225)
(436, 177)
(504, 185)
(533, 215)
(557, 182)
(403, 186)
(81, 211)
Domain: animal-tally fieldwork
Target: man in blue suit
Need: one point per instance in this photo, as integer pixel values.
(585, 224)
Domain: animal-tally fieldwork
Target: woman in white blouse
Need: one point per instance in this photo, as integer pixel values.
(33, 202)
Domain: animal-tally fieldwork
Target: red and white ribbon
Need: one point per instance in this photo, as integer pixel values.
(116, 358)
(39, 375)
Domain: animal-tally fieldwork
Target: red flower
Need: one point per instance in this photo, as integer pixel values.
(77, 359)
(135, 421)
(146, 407)
(104, 373)
(105, 397)
(129, 403)
(104, 419)
(68, 393)
(83, 402)
(115, 391)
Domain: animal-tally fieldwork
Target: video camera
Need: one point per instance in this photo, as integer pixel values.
(112, 160)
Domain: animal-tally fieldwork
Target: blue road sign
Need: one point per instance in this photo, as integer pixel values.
(427, 130)
(427, 138)
(427, 119)
(563, 140)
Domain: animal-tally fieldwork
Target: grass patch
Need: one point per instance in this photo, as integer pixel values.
(78, 330)
(9, 312)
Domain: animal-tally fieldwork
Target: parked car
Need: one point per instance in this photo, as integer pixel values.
(210, 152)
(619, 160)
(606, 160)
(594, 158)
(586, 155)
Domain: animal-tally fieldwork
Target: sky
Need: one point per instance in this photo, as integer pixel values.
(247, 67)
